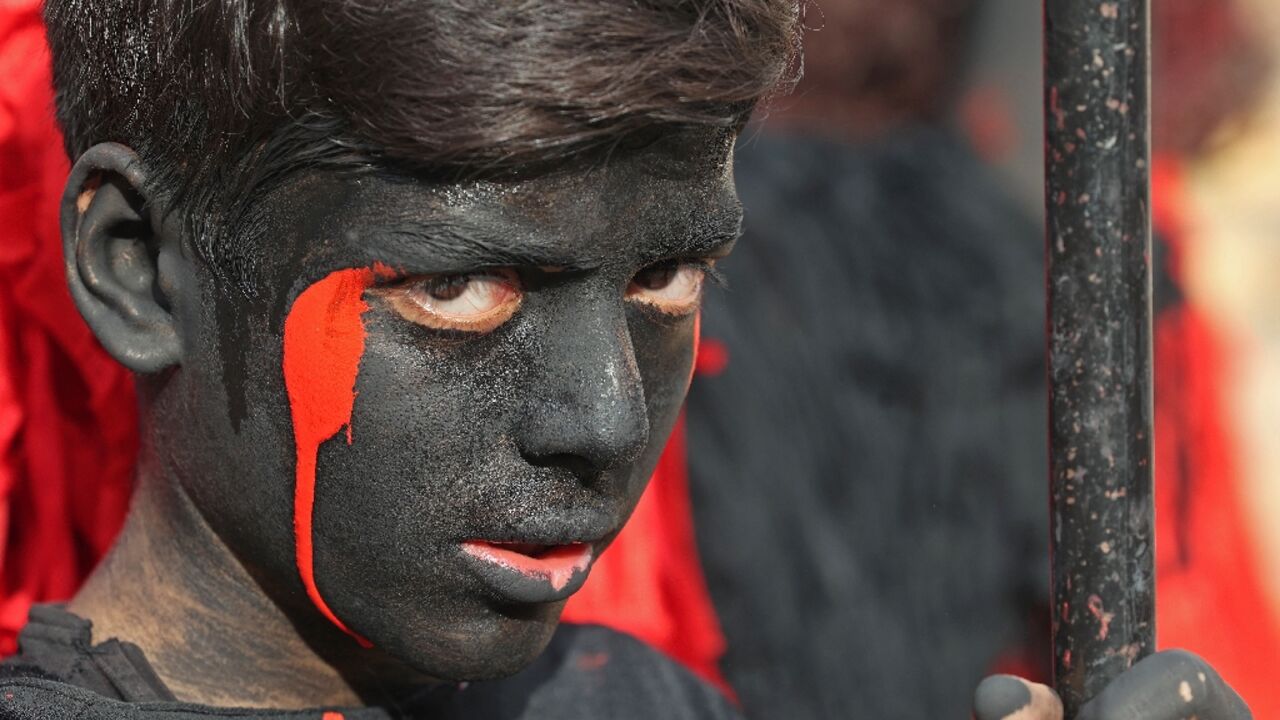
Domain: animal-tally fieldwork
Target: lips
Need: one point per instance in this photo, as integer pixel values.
(530, 572)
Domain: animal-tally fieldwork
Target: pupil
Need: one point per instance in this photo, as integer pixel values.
(448, 288)
(657, 278)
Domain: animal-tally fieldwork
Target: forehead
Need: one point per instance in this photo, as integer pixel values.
(671, 197)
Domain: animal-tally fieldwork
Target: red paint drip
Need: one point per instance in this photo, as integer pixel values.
(323, 344)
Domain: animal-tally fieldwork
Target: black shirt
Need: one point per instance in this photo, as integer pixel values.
(586, 672)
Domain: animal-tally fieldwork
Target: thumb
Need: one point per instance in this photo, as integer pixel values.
(1005, 697)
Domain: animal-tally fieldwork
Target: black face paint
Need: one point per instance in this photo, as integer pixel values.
(540, 432)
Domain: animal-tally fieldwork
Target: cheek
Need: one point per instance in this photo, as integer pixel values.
(665, 356)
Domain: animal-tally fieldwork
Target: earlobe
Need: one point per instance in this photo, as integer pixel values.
(111, 252)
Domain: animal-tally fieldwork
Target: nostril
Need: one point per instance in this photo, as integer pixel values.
(582, 468)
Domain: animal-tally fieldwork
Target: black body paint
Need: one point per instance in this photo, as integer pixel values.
(1170, 685)
(1099, 289)
(1000, 696)
(544, 430)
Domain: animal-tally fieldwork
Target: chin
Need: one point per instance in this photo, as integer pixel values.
(500, 643)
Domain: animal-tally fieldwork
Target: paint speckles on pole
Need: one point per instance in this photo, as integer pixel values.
(1099, 290)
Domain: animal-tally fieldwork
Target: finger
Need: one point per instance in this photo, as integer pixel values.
(1170, 685)
(1005, 697)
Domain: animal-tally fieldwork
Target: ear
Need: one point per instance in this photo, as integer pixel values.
(112, 250)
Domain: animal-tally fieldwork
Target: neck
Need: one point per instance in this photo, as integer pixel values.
(170, 586)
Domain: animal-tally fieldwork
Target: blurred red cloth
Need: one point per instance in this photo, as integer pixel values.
(68, 425)
(650, 583)
(67, 419)
(1210, 595)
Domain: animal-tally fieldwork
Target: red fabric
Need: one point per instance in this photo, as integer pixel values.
(68, 427)
(650, 583)
(712, 358)
(67, 420)
(1210, 596)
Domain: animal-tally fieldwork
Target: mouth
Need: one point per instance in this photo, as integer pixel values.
(530, 572)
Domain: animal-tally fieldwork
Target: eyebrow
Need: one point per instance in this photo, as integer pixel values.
(717, 233)
(456, 245)
(707, 235)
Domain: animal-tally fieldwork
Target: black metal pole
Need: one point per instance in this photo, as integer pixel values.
(1097, 154)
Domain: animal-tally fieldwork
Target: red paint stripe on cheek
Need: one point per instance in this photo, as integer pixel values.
(323, 343)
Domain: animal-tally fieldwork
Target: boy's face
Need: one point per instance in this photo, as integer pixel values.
(444, 401)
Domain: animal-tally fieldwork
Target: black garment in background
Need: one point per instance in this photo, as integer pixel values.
(868, 474)
(587, 673)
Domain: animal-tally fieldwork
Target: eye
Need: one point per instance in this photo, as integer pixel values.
(475, 302)
(673, 287)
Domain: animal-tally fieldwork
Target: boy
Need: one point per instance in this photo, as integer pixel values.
(411, 290)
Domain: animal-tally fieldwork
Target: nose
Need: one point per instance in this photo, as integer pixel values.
(589, 414)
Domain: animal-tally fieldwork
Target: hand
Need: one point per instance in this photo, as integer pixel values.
(1171, 685)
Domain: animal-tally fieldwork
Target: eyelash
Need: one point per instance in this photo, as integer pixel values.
(709, 269)
(656, 300)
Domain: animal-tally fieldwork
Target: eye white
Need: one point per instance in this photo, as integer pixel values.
(683, 285)
(479, 295)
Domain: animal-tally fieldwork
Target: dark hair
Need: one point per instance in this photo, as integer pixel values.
(221, 98)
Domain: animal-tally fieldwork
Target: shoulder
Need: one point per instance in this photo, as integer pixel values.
(586, 672)
(632, 677)
(590, 671)
(32, 698)
(38, 697)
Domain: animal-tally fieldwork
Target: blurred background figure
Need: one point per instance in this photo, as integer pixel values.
(868, 466)
(1217, 208)
(867, 469)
